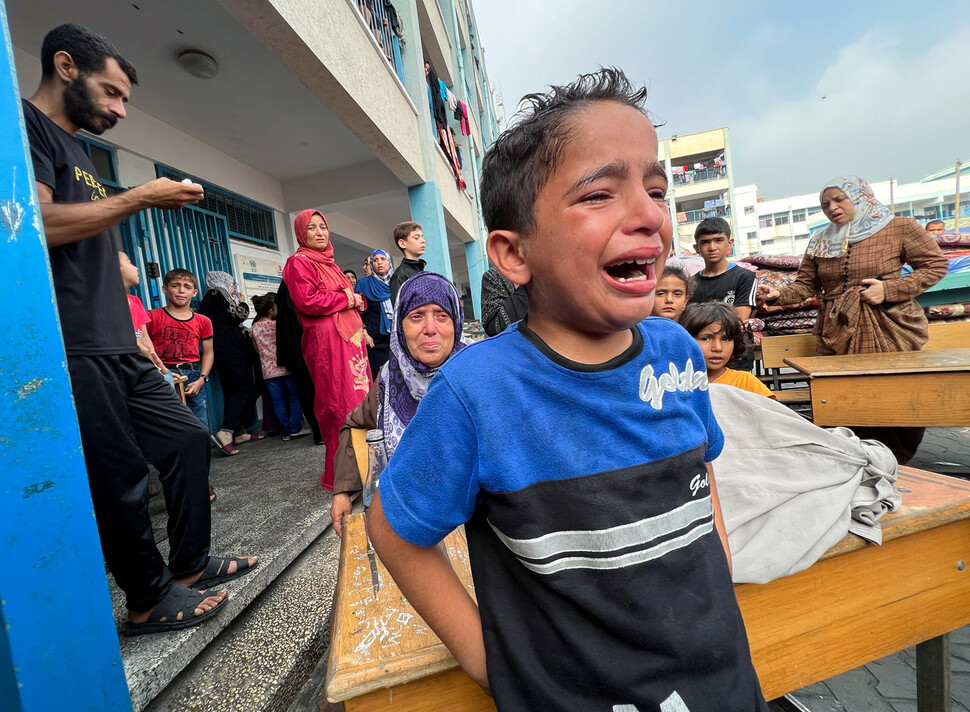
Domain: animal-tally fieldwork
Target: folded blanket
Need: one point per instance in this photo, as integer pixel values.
(781, 325)
(952, 238)
(795, 314)
(780, 261)
(945, 311)
(789, 490)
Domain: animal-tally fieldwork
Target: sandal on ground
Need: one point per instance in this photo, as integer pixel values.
(214, 572)
(251, 439)
(229, 449)
(179, 599)
(212, 494)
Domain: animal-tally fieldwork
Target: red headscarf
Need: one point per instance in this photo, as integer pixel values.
(331, 276)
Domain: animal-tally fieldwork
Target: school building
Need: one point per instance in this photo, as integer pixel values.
(280, 105)
(274, 106)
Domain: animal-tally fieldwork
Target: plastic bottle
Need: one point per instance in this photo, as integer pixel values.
(376, 462)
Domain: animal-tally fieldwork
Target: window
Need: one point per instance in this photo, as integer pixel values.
(765, 221)
(769, 241)
(748, 209)
(798, 216)
(781, 218)
(753, 235)
(814, 211)
(904, 213)
(247, 220)
(947, 211)
(103, 158)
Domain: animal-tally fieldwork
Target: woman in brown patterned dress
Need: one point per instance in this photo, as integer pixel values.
(854, 268)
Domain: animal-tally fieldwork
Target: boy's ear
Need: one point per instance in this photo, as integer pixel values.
(504, 249)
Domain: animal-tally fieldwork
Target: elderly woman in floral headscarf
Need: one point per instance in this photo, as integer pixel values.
(425, 332)
(333, 334)
(234, 361)
(854, 267)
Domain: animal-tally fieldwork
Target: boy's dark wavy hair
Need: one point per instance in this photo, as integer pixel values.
(523, 158)
(699, 315)
(179, 273)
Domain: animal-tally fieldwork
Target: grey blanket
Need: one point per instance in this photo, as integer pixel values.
(790, 490)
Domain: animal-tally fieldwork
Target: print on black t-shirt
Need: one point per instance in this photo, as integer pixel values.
(87, 280)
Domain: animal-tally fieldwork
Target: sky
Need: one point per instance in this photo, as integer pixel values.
(809, 91)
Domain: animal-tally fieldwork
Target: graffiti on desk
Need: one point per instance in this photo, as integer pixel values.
(385, 630)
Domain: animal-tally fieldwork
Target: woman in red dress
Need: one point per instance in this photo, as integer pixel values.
(333, 334)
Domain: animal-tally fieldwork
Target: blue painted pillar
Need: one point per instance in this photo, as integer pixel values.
(426, 209)
(58, 642)
(476, 258)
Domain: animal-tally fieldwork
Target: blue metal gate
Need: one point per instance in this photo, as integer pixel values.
(190, 238)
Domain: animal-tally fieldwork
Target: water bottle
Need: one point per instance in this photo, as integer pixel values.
(376, 462)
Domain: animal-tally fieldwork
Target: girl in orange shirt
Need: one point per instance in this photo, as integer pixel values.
(719, 332)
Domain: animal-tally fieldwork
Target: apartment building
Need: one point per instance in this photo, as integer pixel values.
(701, 181)
(280, 105)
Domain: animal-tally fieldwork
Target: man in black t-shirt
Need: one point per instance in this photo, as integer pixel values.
(720, 280)
(126, 412)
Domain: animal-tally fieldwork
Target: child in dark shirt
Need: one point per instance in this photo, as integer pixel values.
(595, 537)
(409, 238)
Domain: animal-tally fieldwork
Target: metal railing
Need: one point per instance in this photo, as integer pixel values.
(699, 176)
(692, 216)
(381, 18)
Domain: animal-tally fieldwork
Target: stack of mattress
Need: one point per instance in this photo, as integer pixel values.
(956, 248)
(779, 319)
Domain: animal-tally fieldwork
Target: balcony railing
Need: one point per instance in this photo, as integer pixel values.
(693, 216)
(382, 20)
(699, 176)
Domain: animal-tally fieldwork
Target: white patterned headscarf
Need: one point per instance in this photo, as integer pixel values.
(870, 217)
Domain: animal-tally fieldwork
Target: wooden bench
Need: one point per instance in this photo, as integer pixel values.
(858, 603)
(178, 380)
(919, 389)
(775, 349)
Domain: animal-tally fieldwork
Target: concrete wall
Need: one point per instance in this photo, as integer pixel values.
(693, 144)
(327, 47)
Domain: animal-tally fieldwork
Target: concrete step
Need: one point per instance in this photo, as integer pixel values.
(269, 504)
(268, 653)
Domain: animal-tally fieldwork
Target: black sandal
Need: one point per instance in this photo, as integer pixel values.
(179, 599)
(214, 572)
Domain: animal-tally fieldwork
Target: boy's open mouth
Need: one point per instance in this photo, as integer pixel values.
(631, 270)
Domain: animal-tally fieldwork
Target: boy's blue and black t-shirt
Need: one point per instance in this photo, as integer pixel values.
(601, 579)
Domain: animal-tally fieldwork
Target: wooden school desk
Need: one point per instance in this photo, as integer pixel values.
(858, 603)
(903, 389)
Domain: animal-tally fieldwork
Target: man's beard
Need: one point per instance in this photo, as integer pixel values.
(81, 110)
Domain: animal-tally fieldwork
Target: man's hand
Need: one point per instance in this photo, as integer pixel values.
(340, 507)
(169, 195)
(874, 291)
(192, 389)
(65, 223)
(157, 361)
